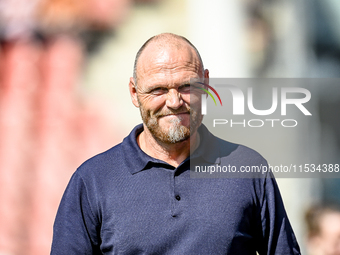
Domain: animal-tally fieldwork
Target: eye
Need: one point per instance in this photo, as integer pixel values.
(196, 88)
(158, 91)
(184, 88)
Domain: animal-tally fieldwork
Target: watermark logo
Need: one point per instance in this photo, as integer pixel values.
(275, 104)
(239, 100)
(207, 91)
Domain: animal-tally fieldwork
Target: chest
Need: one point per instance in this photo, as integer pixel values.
(157, 209)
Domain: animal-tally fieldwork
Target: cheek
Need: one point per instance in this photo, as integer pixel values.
(195, 105)
(194, 99)
(152, 104)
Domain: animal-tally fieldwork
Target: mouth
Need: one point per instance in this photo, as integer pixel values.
(172, 115)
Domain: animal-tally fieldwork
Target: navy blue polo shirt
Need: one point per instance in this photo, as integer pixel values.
(125, 202)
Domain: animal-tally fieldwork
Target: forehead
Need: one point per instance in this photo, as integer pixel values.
(169, 63)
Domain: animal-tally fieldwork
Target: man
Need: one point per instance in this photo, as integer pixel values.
(138, 197)
(323, 229)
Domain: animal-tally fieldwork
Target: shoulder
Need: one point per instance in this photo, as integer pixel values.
(243, 161)
(214, 146)
(102, 164)
(238, 152)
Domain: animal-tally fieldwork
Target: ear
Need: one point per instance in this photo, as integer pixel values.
(206, 76)
(133, 92)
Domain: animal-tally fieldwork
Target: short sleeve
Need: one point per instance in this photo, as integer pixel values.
(76, 229)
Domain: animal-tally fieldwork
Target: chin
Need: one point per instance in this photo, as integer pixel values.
(178, 134)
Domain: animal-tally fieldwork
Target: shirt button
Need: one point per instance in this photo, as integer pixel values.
(178, 197)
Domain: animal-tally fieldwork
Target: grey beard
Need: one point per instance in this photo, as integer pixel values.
(177, 132)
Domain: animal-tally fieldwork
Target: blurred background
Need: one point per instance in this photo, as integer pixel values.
(64, 73)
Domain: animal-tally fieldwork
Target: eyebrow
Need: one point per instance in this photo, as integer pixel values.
(155, 87)
(166, 86)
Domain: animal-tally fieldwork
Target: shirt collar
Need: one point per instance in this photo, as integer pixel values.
(137, 160)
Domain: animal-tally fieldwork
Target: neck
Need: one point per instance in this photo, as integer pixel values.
(173, 154)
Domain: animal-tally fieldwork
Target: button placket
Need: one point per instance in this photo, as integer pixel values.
(172, 192)
(176, 197)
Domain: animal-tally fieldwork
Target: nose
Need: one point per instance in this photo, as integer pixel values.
(174, 99)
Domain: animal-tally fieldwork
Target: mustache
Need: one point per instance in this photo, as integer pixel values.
(171, 112)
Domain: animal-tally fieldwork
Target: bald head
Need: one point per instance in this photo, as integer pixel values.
(162, 42)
